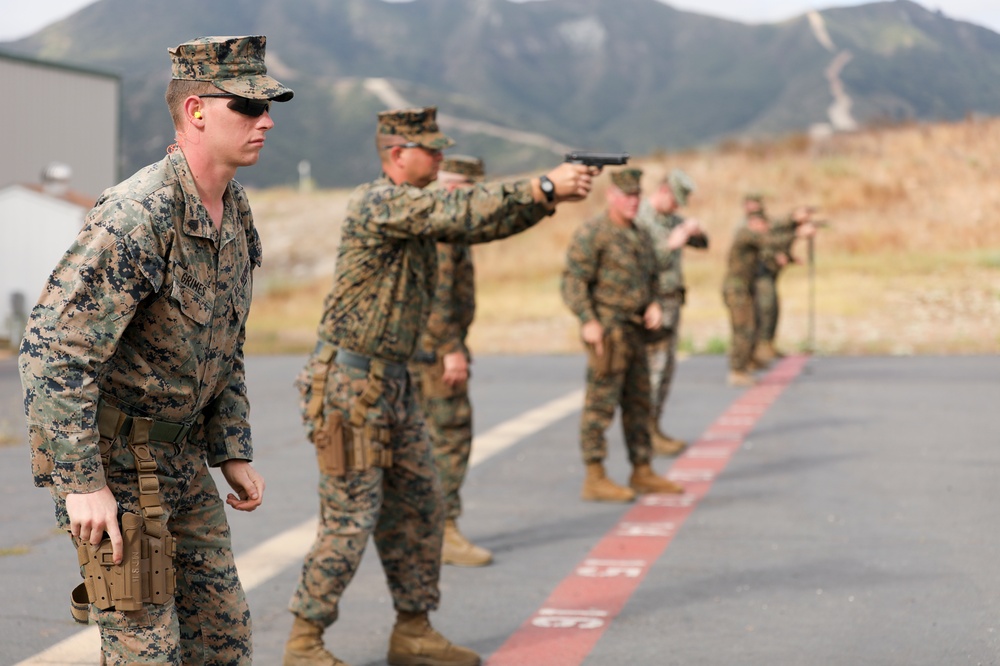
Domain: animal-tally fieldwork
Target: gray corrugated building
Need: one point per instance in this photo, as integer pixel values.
(60, 113)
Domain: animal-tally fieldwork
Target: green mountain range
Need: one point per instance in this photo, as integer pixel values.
(518, 82)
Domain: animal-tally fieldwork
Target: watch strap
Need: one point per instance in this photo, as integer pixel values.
(548, 188)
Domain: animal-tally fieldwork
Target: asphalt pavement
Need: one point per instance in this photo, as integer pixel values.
(854, 524)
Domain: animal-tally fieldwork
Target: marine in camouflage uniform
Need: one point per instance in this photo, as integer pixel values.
(780, 238)
(377, 475)
(440, 370)
(135, 350)
(610, 283)
(745, 255)
(670, 232)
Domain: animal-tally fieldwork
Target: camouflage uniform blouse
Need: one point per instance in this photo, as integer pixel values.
(148, 308)
(454, 303)
(610, 273)
(780, 237)
(744, 259)
(669, 264)
(387, 261)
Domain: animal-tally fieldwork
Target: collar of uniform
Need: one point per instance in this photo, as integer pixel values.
(605, 219)
(196, 220)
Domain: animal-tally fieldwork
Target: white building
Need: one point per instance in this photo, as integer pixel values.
(38, 223)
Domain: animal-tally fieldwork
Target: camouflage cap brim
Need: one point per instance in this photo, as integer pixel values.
(260, 86)
(466, 166)
(434, 141)
(627, 180)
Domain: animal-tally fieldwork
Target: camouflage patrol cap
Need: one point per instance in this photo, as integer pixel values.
(416, 125)
(464, 165)
(681, 185)
(754, 196)
(627, 180)
(232, 64)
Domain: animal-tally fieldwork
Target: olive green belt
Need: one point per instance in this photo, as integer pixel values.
(159, 431)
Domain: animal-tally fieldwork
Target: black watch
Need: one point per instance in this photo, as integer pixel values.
(548, 189)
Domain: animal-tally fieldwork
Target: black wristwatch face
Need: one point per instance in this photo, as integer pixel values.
(548, 189)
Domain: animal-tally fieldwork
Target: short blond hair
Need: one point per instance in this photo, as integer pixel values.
(179, 90)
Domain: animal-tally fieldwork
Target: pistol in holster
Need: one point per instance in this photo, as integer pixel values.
(347, 445)
(146, 573)
(144, 576)
(614, 360)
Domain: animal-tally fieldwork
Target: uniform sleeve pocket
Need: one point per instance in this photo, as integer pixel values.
(194, 307)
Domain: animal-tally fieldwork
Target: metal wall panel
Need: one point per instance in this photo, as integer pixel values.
(56, 114)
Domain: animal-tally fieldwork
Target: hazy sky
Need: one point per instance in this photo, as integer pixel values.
(23, 17)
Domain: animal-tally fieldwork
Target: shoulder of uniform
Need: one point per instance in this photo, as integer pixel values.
(135, 202)
(589, 228)
(383, 192)
(643, 233)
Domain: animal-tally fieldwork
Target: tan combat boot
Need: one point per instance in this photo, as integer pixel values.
(415, 643)
(664, 445)
(597, 487)
(741, 378)
(644, 481)
(763, 353)
(460, 551)
(305, 646)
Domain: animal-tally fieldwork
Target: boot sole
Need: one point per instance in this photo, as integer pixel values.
(470, 565)
(595, 498)
(410, 660)
(656, 491)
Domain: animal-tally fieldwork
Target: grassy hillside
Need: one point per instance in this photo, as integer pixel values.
(910, 264)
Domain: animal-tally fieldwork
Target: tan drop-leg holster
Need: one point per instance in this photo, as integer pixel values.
(355, 445)
(614, 360)
(146, 573)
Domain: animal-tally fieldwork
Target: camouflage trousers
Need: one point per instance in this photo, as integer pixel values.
(208, 621)
(766, 307)
(662, 355)
(625, 385)
(448, 413)
(742, 319)
(400, 507)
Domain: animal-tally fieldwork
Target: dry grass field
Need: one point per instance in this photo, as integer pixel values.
(909, 265)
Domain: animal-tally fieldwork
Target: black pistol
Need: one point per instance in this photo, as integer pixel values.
(599, 160)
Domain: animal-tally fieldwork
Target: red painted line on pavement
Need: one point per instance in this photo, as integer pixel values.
(571, 621)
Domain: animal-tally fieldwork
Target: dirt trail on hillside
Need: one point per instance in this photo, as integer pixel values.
(838, 113)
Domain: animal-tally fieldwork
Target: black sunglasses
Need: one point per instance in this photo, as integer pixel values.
(254, 108)
(411, 144)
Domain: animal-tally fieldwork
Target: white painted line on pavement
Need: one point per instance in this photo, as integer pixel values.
(286, 549)
(498, 438)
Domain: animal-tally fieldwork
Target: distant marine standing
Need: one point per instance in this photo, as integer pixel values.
(610, 284)
(670, 232)
(780, 238)
(742, 267)
(440, 369)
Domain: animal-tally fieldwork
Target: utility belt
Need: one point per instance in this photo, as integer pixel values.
(358, 361)
(423, 356)
(146, 574)
(355, 444)
(678, 296)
